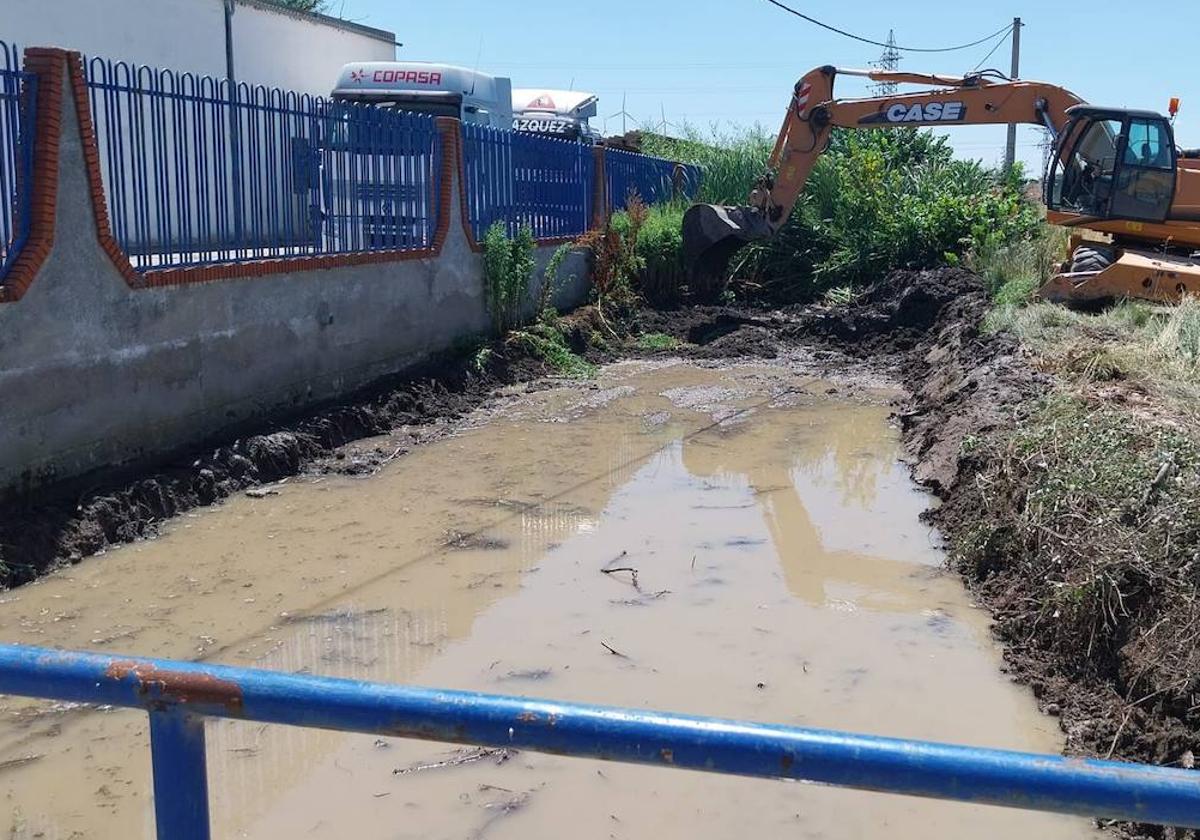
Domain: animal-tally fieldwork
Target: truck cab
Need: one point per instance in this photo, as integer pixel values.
(562, 114)
(440, 90)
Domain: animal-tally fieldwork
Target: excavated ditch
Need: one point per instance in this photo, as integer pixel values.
(920, 330)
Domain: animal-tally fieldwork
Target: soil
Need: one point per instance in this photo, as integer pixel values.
(921, 329)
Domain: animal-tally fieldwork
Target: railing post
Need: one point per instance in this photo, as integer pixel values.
(599, 187)
(180, 769)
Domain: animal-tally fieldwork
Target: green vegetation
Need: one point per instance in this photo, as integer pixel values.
(876, 201)
(657, 341)
(507, 268)
(1100, 508)
(1153, 350)
(1015, 269)
(545, 339)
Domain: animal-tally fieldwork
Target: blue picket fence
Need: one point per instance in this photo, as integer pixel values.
(18, 111)
(654, 180)
(524, 179)
(197, 171)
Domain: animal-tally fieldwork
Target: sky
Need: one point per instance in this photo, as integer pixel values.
(723, 64)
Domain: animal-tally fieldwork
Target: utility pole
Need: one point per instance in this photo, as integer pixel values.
(1010, 150)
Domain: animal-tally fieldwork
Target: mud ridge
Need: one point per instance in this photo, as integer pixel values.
(63, 524)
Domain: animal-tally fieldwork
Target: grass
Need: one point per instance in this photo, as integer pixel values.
(1100, 508)
(1015, 270)
(657, 341)
(1153, 350)
(545, 340)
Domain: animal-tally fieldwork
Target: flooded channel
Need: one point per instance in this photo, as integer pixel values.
(774, 569)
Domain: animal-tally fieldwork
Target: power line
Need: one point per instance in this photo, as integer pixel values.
(851, 35)
(992, 51)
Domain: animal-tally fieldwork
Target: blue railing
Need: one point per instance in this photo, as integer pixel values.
(18, 111)
(654, 180)
(524, 179)
(197, 171)
(179, 695)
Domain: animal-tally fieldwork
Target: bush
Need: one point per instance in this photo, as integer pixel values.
(876, 201)
(660, 252)
(507, 268)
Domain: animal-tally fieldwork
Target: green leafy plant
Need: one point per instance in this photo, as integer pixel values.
(550, 283)
(877, 200)
(508, 265)
(657, 341)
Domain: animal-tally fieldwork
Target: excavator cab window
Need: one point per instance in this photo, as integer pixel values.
(1113, 165)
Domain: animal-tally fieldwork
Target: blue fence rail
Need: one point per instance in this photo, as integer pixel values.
(178, 695)
(654, 180)
(523, 179)
(197, 171)
(18, 112)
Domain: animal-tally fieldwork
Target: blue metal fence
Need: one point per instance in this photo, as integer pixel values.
(18, 110)
(653, 179)
(524, 179)
(178, 695)
(196, 171)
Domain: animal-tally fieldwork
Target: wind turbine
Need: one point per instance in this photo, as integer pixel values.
(623, 114)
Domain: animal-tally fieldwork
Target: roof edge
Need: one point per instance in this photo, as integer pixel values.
(327, 20)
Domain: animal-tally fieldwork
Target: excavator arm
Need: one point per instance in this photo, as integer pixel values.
(711, 233)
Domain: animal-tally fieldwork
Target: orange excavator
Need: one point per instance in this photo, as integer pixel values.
(1115, 178)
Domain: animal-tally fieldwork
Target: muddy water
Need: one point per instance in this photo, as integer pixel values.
(782, 575)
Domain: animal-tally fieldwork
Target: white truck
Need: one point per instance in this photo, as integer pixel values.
(555, 113)
(441, 90)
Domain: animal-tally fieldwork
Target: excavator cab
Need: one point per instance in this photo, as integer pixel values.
(1111, 163)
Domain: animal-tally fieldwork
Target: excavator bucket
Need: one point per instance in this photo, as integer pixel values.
(712, 234)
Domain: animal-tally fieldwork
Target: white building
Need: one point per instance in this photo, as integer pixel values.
(271, 45)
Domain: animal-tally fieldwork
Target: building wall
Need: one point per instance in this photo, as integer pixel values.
(103, 368)
(271, 47)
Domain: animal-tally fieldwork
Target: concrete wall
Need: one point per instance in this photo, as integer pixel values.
(95, 373)
(271, 46)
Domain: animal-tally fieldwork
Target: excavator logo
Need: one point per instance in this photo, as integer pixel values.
(929, 112)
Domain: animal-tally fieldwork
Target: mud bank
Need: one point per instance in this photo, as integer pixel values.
(82, 518)
(1118, 691)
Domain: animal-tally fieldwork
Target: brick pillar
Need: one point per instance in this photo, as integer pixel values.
(49, 66)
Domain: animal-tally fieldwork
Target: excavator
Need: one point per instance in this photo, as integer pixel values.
(1115, 178)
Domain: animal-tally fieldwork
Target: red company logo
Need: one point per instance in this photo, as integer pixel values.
(542, 103)
(356, 75)
(420, 77)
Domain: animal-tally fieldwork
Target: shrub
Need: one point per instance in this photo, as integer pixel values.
(877, 200)
(507, 268)
(660, 254)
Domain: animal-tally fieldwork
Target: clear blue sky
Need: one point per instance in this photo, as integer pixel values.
(733, 62)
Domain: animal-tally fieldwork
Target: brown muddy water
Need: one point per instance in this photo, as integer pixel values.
(782, 575)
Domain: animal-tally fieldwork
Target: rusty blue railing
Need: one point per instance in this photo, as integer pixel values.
(18, 110)
(179, 695)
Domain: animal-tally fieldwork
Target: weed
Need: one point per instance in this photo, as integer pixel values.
(657, 341)
(1074, 478)
(1015, 269)
(547, 342)
(616, 263)
(481, 359)
(507, 268)
(877, 200)
(839, 296)
(550, 283)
